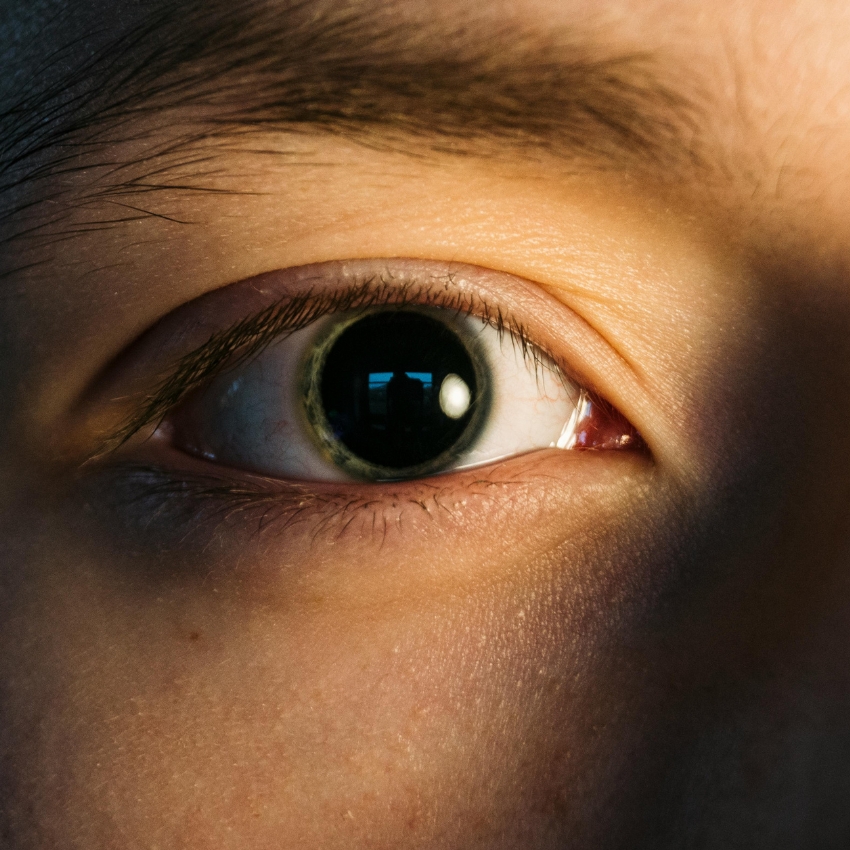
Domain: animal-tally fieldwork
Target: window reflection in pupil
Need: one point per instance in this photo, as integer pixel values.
(380, 388)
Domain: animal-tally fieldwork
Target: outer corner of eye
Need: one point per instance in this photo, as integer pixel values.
(600, 426)
(388, 393)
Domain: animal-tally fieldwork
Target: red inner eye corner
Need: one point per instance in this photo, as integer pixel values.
(602, 427)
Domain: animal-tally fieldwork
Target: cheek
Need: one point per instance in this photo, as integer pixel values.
(448, 691)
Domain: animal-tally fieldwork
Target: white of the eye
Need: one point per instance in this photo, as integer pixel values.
(252, 417)
(533, 406)
(455, 396)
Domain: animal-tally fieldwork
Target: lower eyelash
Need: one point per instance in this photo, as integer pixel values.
(185, 503)
(190, 499)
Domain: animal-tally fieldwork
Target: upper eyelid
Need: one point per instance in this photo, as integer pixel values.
(250, 335)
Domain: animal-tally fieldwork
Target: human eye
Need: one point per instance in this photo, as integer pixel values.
(366, 372)
(388, 379)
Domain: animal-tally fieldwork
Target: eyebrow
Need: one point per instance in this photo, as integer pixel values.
(351, 70)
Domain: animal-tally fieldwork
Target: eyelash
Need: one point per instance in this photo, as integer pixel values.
(192, 500)
(182, 495)
(250, 336)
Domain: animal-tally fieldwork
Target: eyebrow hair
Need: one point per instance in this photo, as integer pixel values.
(353, 70)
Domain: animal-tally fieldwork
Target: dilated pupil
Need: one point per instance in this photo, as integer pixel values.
(398, 388)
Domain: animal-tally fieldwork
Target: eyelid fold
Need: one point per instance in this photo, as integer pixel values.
(189, 346)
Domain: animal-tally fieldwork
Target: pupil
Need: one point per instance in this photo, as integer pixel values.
(398, 389)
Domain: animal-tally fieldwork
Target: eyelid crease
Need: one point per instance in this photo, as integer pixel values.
(248, 337)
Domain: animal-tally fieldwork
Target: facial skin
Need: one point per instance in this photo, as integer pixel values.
(562, 649)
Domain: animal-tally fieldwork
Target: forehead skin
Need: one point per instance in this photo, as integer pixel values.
(663, 667)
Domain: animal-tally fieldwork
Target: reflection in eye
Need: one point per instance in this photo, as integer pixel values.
(398, 393)
(383, 394)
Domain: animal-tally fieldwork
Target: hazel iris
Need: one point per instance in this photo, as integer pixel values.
(397, 392)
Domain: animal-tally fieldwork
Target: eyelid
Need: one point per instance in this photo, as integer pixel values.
(196, 341)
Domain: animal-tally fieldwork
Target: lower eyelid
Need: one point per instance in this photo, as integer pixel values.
(177, 520)
(183, 502)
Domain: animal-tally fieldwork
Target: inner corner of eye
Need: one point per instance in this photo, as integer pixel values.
(391, 393)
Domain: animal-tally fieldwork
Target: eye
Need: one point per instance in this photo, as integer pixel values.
(390, 392)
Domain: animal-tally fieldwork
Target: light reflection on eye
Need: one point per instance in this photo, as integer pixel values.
(383, 394)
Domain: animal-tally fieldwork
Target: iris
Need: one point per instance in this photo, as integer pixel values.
(397, 392)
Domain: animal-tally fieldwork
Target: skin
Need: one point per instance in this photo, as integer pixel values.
(572, 649)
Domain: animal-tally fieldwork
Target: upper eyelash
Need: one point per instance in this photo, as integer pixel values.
(249, 336)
